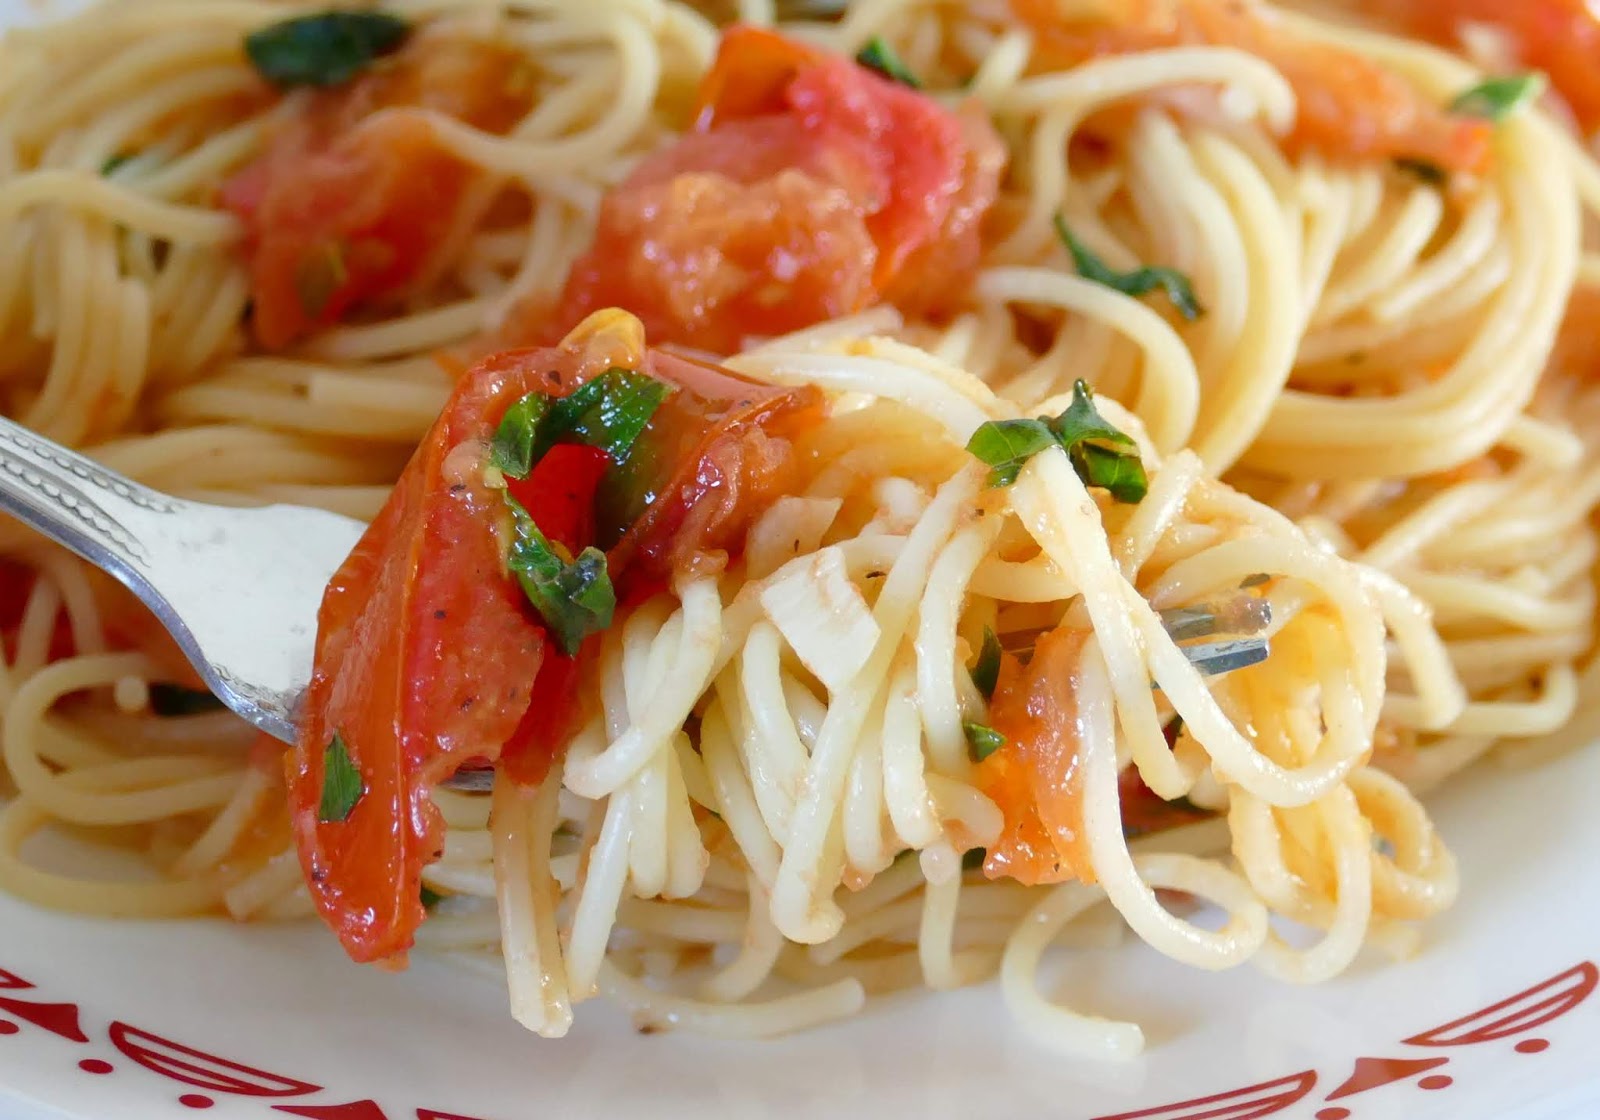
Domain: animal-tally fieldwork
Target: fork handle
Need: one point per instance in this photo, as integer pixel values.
(78, 503)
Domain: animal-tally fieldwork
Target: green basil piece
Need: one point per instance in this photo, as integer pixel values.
(341, 782)
(609, 412)
(880, 57)
(1135, 282)
(575, 598)
(986, 670)
(1101, 454)
(511, 449)
(327, 49)
(1494, 99)
(430, 897)
(318, 276)
(1007, 445)
(982, 740)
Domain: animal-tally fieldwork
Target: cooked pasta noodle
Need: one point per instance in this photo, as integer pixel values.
(764, 817)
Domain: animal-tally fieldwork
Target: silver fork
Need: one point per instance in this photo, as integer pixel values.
(239, 588)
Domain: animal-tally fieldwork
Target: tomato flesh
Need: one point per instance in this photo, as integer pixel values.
(1348, 106)
(812, 188)
(352, 197)
(1036, 777)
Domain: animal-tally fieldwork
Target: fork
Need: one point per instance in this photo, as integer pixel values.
(239, 588)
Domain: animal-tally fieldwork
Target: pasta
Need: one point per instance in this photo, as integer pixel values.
(1354, 383)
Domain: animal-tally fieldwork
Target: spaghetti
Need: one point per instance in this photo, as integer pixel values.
(1356, 387)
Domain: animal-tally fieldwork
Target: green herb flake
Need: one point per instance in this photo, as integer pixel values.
(609, 412)
(1422, 170)
(327, 49)
(986, 670)
(1497, 98)
(1135, 282)
(341, 782)
(982, 740)
(575, 598)
(880, 57)
(430, 897)
(1007, 445)
(511, 449)
(318, 276)
(109, 167)
(1102, 454)
(176, 700)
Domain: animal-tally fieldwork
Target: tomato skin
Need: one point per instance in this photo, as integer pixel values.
(425, 651)
(429, 656)
(1036, 777)
(351, 198)
(1348, 107)
(811, 188)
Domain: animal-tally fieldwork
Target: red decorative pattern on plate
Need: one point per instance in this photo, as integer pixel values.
(1532, 1007)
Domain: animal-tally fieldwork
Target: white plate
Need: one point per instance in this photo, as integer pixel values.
(1498, 1018)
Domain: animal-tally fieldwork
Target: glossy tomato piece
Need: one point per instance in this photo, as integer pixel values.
(1036, 777)
(429, 656)
(1348, 106)
(352, 197)
(812, 188)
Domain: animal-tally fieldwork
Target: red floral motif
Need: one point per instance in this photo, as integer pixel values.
(1252, 1101)
(204, 1071)
(1532, 1007)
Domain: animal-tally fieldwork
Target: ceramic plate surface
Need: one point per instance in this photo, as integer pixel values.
(1497, 1018)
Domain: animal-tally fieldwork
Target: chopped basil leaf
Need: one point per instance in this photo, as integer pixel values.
(986, 670)
(341, 782)
(972, 860)
(176, 700)
(1102, 454)
(327, 49)
(511, 450)
(1007, 445)
(1422, 170)
(430, 897)
(608, 412)
(575, 598)
(114, 162)
(318, 275)
(1136, 282)
(981, 740)
(1497, 98)
(879, 56)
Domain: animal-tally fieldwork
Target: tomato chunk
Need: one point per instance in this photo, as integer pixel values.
(352, 197)
(812, 188)
(1036, 777)
(429, 655)
(1348, 106)
(1559, 37)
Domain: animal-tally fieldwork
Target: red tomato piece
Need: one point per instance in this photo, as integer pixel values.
(1559, 37)
(813, 188)
(427, 649)
(350, 199)
(1035, 777)
(1348, 105)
